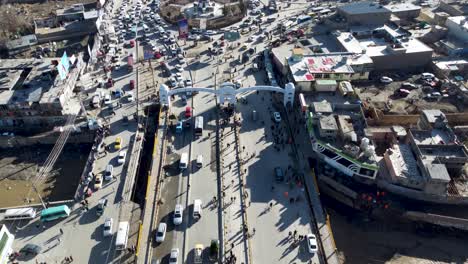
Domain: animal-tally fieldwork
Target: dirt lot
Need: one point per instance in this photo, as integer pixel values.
(392, 242)
(19, 165)
(382, 97)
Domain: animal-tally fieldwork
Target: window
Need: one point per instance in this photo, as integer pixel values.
(326, 76)
(318, 75)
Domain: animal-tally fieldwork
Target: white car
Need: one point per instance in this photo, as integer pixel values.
(188, 83)
(107, 99)
(179, 68)
(122, 156)
(178, 213)
(107, 230)
(130, 97)
(385, 79)
(178, 77)
(174, 258)
(427, 76)
(161, 232)
(312, 243)
(277, 117)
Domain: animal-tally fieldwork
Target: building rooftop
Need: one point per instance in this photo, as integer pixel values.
(400, 7)
(431, 137)
(328, 122)
(374, 46)
(462, 21)
(323, 107)
(405, 163)
(305, 69)
(25, 80)
(437, 172)
(433, 115)
(363, 8)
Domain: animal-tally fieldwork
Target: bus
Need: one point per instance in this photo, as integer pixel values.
(303, 19)
(122, 236)
(199, 126)
(55, 212)
(20, 214)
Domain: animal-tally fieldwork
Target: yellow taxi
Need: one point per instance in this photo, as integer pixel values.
(118, 143)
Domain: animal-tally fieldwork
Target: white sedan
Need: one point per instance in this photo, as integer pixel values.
(107, 230)
(178, 213)
(312, 243)
(385, 79)
(122, 156)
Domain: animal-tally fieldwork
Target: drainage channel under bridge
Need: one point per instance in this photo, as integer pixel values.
(145, 159)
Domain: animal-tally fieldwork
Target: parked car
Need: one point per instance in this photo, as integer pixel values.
(174, 257)
(107, 228)
(178, 214)
(121, 157)
(161, 232)
(101, 207)
(98, 182)
(427, 76)
(408, 86)
(31, 249)
(386, 80)
(130, 97)
(188, 83)
(109, 173)
(312, 243)
(118, 143)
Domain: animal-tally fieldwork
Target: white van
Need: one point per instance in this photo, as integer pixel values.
(20, 214)
(197, 208)
(183, 161)
(122, 236)
(200, 161)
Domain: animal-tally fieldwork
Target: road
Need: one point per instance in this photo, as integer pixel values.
(204, 183)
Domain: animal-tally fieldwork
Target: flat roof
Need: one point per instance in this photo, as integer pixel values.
(401, 7)
(322, 107)
(363, 8)
(437, 172)
(404, 162)
(305, 69)
(24, 86)
(460, 21)
(328, 122)
(375, 47)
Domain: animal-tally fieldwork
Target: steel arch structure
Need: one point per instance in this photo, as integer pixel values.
(227, 92)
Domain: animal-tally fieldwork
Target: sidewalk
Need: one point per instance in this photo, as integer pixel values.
(235, 221)
(304, 150)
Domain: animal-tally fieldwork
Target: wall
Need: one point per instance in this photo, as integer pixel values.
(456, 30)
(377, 118)
(45, 138)
(459, 119)
(402, 61)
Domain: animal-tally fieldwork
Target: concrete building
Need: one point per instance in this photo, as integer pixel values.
(389, 48)
(328, 127)
(334, 66)
(21, 44)
(428, 158)
(458, 28)
(336, 130)
(406, 11)
(453, 7)
(6, 244)
(450, 67)
(75, 21)
(32, 94)
(364, 13)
